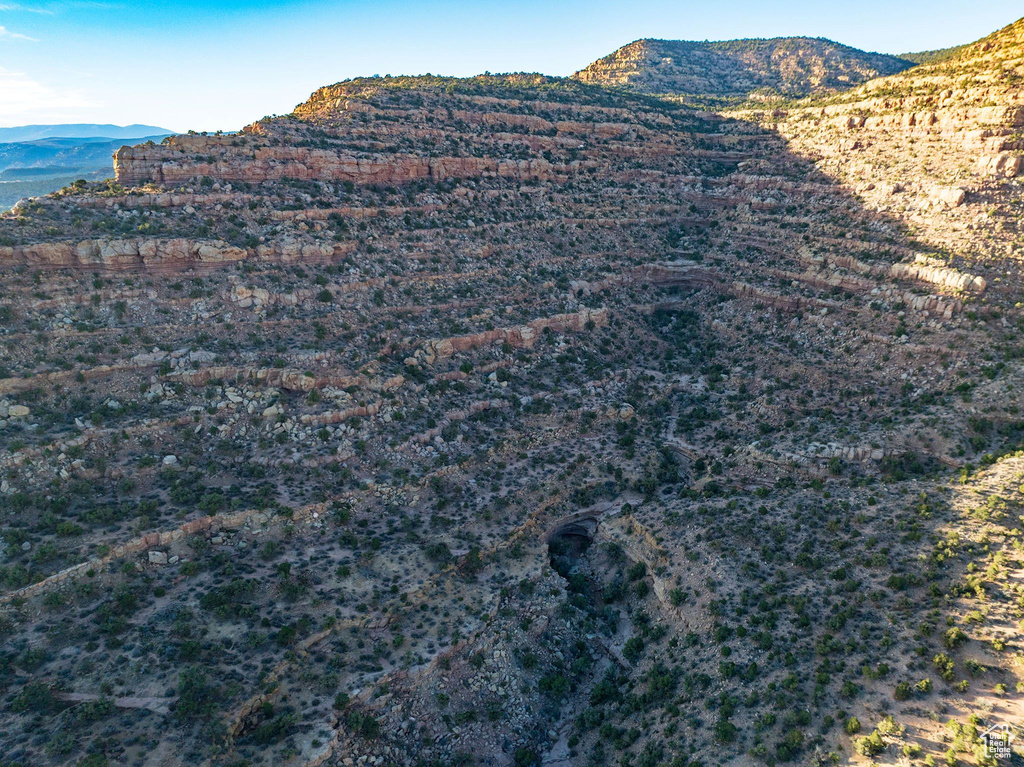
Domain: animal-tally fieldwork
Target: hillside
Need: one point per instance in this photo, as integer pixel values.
(517, 420)
(933, 56)
(942, 135)
(739, 69)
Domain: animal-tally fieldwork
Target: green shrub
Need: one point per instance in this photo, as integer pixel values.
(632, 649)
(869, 745)
(196, 697)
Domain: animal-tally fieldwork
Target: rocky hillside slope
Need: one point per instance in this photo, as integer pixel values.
(939, 146)
(740, 69)
(517, 421)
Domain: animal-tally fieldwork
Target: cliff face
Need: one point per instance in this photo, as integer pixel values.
(122, 253)
(251, 160)
(792, 66)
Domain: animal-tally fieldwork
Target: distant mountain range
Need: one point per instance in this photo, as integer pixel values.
(38, 159)
(55, 153)
(79, 130)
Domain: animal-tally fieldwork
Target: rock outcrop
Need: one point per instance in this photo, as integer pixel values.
(229, 159)
(134, 252)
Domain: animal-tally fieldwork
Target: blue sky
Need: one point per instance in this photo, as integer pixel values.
(219, 64)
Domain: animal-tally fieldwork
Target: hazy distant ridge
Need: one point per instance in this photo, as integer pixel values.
(79, 130)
